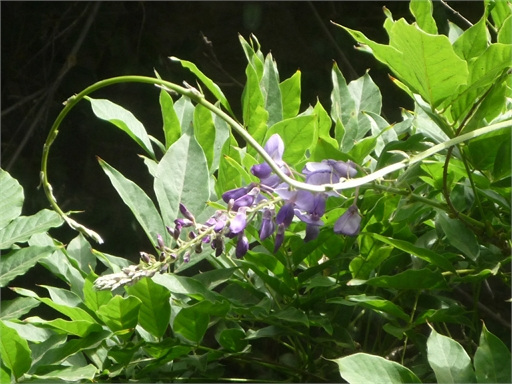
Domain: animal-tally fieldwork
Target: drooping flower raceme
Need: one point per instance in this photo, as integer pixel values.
(245, 204)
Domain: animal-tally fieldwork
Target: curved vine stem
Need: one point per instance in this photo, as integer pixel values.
(199, 98)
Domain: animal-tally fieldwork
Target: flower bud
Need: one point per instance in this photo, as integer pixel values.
(279, 237)
(186, 213)
(242, 246)
(285, 215)
(160, 242)
(267, 224)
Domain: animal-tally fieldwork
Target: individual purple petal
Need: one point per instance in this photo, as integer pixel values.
(308, 218)
(261, 171)
(236, 193)
(279, 237)
(242, 246)
(220, 224)
(246, 200)
(311, 232)
(239, 222)
(343, 169)
(285, 215)
(275, 148)
(349, 223)
(267, 224)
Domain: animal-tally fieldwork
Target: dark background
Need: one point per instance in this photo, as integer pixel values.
(52, 50)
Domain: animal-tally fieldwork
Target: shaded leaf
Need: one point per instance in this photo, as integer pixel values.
(492, 359)
(14, 309)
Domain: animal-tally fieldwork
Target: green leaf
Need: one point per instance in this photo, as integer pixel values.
(139, 203)
(228, 176)
(271, 91)
(182, 176)
(120, 314)
(212, 87)
(80, 328)
(291, 95)
(14, 309)
(505, 33)
(80, 250)
(55, 354)
(185, 285)
(155, 310)
(365, 368)
(232, 339)
(12, 198)
(191, 323)
(427, 64)
(492, 359)
(94, 298)
(362, 266)
(423, 253)
(484, 71)
(410, 279)
(473, 42)
(14, 351)
(292, 315)
(375, 303)
(422, 12)
(298, 134)
(68, 374)
(254, 114)
(22, 228)
(204, 131)
(458, 235)
(124, 120)
(450, 362)
(171, 123)
(63, 296)
(222, 134)
(185, 112)
(19, 261)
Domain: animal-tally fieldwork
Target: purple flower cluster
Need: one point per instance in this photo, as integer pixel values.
(309, 207)
(264, 197)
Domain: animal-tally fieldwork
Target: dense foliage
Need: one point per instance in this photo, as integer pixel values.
(291, 245)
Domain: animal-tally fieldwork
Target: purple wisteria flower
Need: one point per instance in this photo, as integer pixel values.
(328, 172)
(275, 148)
(349, 223)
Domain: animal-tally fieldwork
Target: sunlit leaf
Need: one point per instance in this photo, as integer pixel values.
(365, 368)
(171, 123)
(182, 176)
(19, 261)
(124, 120)
(155, 310)
(22, 228)
(12, 198)
(120, 313)
(14, 351)
(291, 95)
(449, 360)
